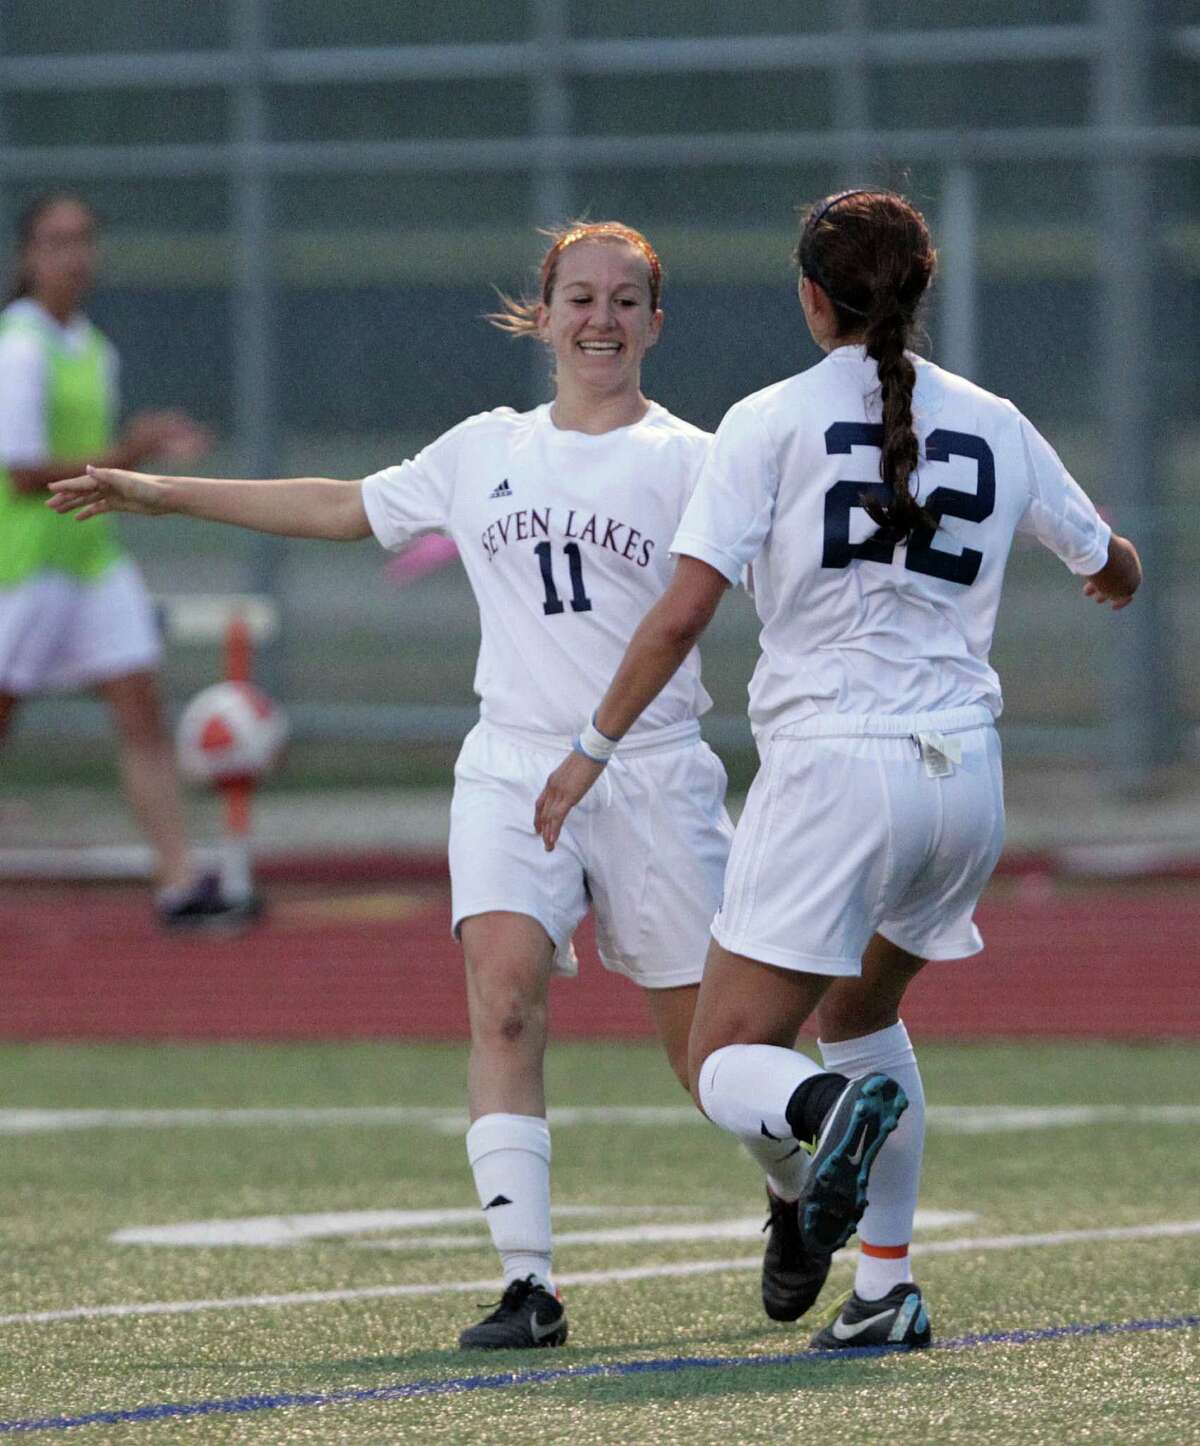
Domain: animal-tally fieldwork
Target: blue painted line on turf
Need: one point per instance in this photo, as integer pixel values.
(242, 1405)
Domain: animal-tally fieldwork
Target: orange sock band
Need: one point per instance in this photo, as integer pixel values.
(883, 1252)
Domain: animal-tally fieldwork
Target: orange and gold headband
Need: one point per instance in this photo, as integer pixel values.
(600, 230)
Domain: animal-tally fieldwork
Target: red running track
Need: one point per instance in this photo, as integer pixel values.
(375, 960)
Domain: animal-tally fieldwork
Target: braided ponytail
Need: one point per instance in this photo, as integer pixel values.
(871, 254)
(886, 338)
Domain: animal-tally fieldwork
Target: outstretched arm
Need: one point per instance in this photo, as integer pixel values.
(292, 507)
(665, 636)
(1119, 578)
(172, 436)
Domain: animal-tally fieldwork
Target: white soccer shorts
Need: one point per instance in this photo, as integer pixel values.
(853, 827)
(646, 848)
(59, 632)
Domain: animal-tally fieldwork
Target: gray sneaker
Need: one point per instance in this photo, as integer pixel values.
(898, 1319)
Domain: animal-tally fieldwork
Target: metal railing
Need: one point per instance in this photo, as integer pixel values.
(1120, 45)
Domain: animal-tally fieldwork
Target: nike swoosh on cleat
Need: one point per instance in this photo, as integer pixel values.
(539, 1331)
(844, 1332)
(762, 1125)
(856, 1157)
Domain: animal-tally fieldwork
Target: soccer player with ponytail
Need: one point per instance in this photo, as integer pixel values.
(874, 497)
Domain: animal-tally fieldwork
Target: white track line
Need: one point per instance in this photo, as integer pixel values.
(1162, 1230)
(947, 1119)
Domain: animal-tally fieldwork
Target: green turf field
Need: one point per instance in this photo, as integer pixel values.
(650, 1190)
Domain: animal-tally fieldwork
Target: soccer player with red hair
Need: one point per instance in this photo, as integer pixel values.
(563, 516)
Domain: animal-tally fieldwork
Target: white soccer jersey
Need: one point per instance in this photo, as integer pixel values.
(565, 540)
(851, 624)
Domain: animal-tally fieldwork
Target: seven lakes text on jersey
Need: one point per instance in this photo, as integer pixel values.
(530, 523)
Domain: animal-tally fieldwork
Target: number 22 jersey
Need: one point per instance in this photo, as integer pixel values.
(852, 623)
(565, 537)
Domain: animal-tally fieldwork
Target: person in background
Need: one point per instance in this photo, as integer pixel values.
(74, 612)
(562, 516)
(875, 497)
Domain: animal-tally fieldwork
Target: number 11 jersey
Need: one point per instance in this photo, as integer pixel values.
(565, 538)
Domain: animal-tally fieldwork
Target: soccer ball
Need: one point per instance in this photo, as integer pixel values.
(229, 733)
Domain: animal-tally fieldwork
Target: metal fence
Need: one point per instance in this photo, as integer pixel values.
(1057, 144)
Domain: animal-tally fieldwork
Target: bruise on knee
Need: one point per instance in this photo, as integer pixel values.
(508, 1023)
(506, 991)
(512, 1027)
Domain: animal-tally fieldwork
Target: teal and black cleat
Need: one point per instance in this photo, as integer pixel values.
(835, 1189)
(897, 1319)
(527, 1316)
(792, 1277)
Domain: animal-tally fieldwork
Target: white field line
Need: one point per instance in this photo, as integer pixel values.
(987, 1119)
(440, 1118)
(277, 1230)
(946, 1119)
(1164, 1229)
(273, 1230)
(36, 1121)
(745, 1227)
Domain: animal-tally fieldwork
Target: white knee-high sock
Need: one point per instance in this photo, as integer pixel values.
(885, 1230)
(783, 1162)
(745, 1088)
(510, 1159)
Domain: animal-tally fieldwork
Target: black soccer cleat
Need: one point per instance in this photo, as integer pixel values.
(527, 1316)
(792, 1277)
(834, 1194)
(897, 1319)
